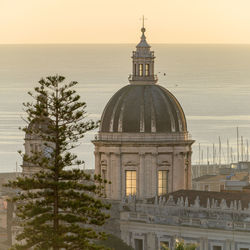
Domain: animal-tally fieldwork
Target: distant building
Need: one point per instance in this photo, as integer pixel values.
(235, 181)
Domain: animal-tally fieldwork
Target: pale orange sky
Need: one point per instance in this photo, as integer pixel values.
(117, 21)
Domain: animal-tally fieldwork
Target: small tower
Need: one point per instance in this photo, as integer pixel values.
(143, 62)
(34, 138)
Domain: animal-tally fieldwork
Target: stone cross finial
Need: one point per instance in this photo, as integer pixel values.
(156, 200)
(208, 203)
(239, 205)
(197, 202)
(235, 205)
(223, 204)
(170, 201)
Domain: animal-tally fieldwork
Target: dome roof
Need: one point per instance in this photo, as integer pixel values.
(143, 108)
(38, 125)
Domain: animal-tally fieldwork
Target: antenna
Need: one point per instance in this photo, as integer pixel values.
(207, 155)
(232, 160)
(219, 152)
(213, 155)
(238, 153)
(242, 148)
(247, 151)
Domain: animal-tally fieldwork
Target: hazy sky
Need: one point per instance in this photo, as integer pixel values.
(118, 21)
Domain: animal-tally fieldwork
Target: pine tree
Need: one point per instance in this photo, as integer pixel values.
(59, 206)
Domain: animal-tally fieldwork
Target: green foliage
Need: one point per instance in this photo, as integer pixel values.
(59, 206)
(115, 243)
(179, 245)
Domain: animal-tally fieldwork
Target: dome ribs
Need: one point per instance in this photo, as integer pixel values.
(169, 109)
(182, 123)
(131, 119)
(143, 109)
(108, 113)
(149, 114)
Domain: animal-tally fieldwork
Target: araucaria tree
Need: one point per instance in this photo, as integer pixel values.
(59, 205)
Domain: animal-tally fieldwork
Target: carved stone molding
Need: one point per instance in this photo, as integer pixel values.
(130, 164)
(163, 163)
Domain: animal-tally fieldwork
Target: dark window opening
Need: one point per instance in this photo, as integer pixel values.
(138, 244)
(147, 70)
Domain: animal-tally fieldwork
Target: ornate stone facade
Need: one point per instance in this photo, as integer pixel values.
(204, 218)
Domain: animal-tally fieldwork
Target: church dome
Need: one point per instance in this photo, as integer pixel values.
(143, 108)
(38, 125)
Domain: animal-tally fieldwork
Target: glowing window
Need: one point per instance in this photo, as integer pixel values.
(147, 69)
(130, 183)
(162, 182)
(140, 69)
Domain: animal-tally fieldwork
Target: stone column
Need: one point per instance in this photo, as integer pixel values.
(140, 178)
(118, 182)
(151, 241)
(232, 245)
(189, 169)
(154, 174)
(109, 175)
(97, 162)
(178, 171)
(205, 244)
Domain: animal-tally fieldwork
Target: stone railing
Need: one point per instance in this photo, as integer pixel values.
(144, 137)
(215, 214)
(143, 78)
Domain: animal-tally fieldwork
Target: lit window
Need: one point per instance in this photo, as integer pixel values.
(130, 183)
(162, 182)
(140, 69)
(147, 69)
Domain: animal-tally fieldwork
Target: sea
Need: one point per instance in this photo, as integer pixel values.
(211, 82)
